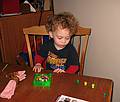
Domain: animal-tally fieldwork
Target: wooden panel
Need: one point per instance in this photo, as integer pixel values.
(45, 15)
(0, 57)
(12, 34)
(0, 49)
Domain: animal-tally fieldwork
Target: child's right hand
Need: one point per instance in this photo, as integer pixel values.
(37, 67)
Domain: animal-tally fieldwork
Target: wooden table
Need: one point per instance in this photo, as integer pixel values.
(62, 84)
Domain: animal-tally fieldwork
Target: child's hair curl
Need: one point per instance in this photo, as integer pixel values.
(62, 20)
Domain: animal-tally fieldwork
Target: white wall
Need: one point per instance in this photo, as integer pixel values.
(103, 17)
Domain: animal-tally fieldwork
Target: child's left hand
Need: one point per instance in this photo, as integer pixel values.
(59, 70)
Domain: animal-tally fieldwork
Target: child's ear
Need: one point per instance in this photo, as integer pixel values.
(51, 34)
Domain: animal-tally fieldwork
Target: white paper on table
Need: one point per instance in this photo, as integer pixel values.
(71, 99)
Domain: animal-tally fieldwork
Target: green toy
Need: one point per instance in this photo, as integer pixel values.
(43, 80)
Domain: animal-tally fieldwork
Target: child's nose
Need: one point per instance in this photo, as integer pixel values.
(64, 40)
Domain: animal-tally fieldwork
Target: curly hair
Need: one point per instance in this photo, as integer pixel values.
(62, 20)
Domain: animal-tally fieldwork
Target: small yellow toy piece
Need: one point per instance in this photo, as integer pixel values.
(85, 83)
(93, 85)
(38, 78)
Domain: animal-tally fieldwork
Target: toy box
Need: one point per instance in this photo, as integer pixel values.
(42, 80)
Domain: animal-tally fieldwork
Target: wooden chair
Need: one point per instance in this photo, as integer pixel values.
(81, 46)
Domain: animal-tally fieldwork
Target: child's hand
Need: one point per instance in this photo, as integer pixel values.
(59, 70)
(37, 67)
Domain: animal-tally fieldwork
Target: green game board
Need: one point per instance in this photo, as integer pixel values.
(43, 80)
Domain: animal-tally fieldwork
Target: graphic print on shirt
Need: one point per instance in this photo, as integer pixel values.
(56, 62)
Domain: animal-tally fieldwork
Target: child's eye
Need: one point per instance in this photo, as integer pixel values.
(67, 38)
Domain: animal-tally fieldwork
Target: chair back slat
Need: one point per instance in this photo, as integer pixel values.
(81, 44)
(29, 50)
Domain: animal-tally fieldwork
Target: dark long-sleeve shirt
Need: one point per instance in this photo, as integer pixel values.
(51, 58)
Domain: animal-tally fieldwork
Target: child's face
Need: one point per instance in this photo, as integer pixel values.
(61, 37)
